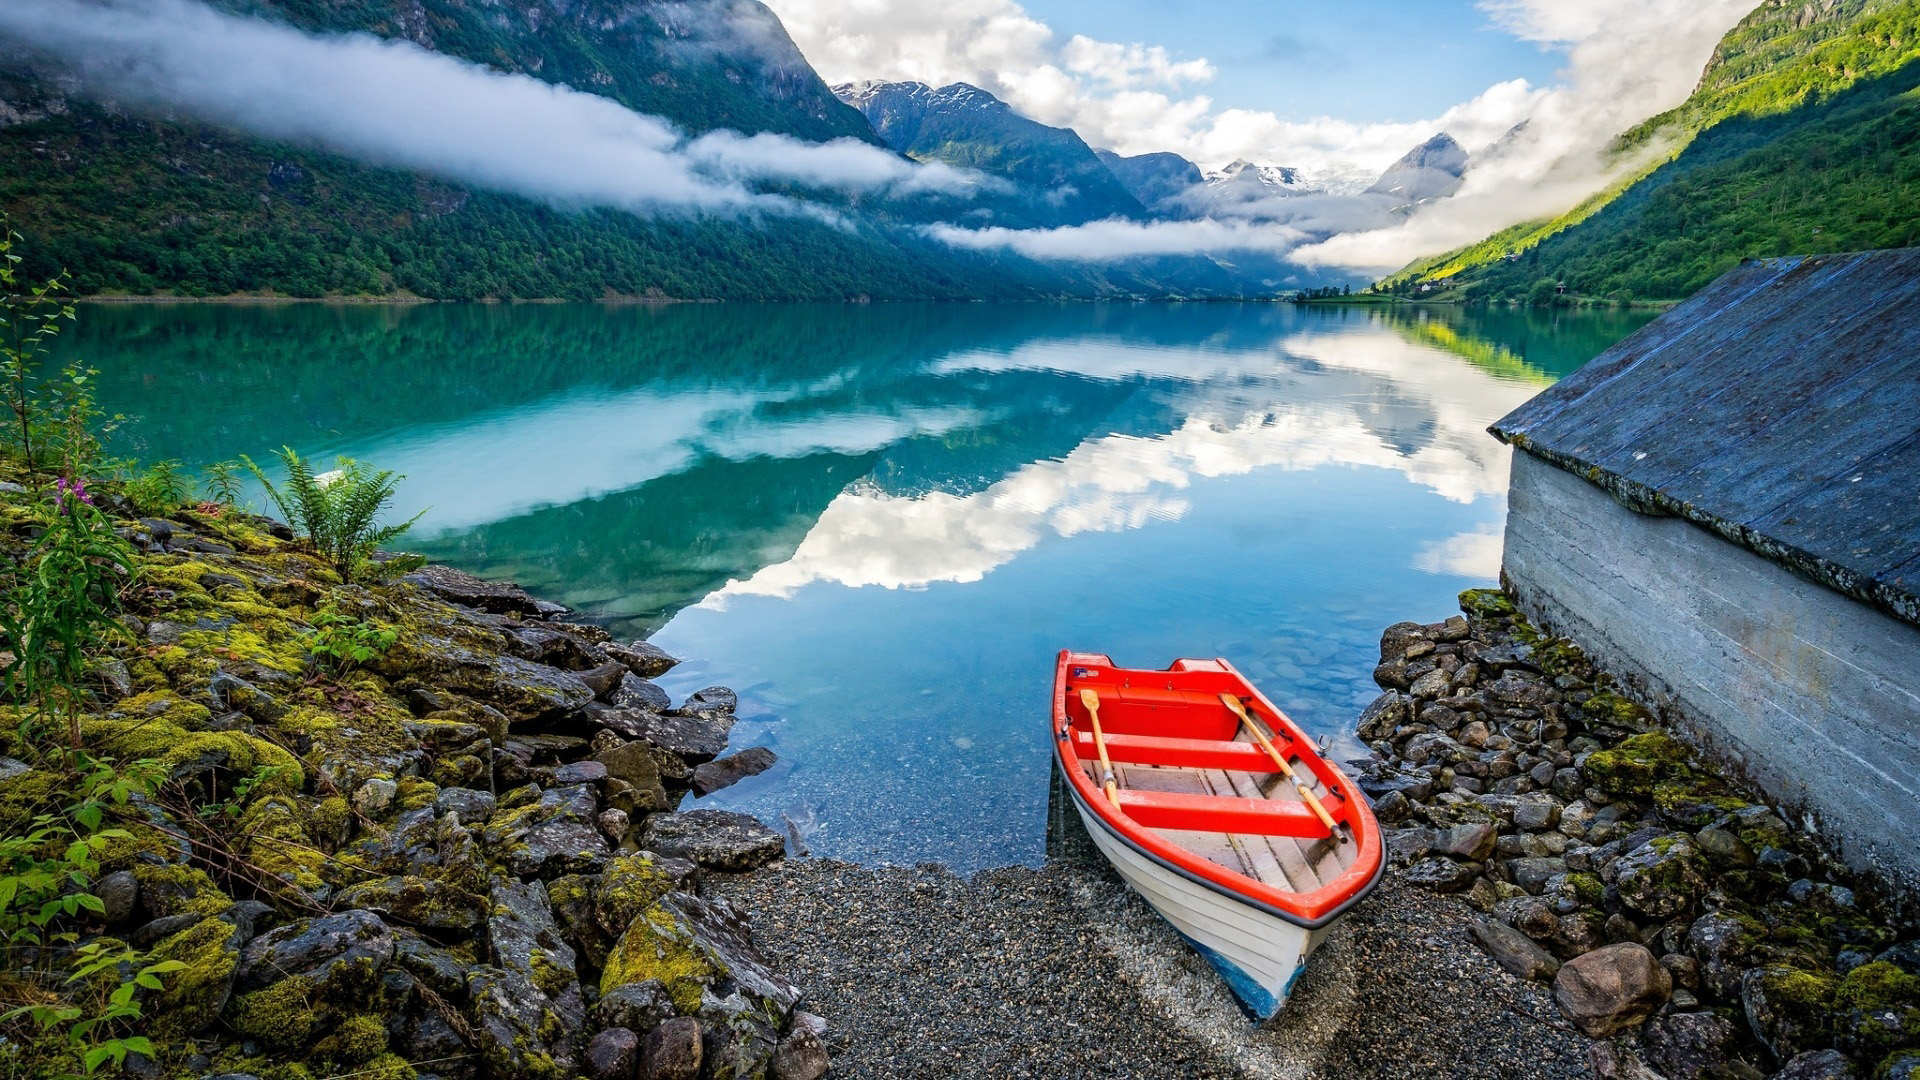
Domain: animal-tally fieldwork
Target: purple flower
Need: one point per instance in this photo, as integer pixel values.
(63, 489)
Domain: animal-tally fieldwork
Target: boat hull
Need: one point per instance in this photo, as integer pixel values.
(1259, 954)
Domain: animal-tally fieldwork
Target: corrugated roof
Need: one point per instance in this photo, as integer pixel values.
(1780, 408)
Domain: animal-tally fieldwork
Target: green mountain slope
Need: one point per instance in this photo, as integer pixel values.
(1799, 138)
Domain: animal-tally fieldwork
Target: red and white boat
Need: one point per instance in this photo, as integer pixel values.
(1249, 843)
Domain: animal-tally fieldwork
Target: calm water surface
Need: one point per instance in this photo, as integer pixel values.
(880, 523)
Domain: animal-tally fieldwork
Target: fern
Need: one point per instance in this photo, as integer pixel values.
(338, 512)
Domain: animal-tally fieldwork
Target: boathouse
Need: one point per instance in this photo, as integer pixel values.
(1724, 510)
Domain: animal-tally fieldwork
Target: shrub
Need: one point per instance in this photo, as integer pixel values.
(338, 512)
(160, 488)
(341, 642)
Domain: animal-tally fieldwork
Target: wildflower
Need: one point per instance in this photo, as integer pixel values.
(64, 489)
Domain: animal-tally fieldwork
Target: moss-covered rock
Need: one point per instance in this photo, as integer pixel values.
(1789, 1009)
(660, 946)
(179, 890)
(194, 995)
(1634, 767)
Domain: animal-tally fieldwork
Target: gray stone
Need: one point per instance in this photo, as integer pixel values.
(673, 1051)
(1513, 951)
(1662, 877)
(1473, 842)
(417, 901)
(1901, 1066)
(613, 1054)
(522, 937)
(467, 805)
(802, 1055)
(614, 825)
(1392, 808)
(713, 703)
(1433, 684)
(119, 894)
(1531, 915)
(635, 692)
(1382, 718)
(604, 679)
(1723, 849)
(1695, 1046)
(499, 597)
(1721, 943)
(521, 1036)
(316, 948)
(716, 839)
(374, 796)
(725, 772)
(1532, 874)
(1615, 1060)
(580, 772)
(557, 834)
(435, 968)
(1442, 875)
(1821, 1065)
(1823, 897)
(1405, 846)
(1536, 813)
(1611, 989)
(1778, 1012)
(640, 1006)
(643, 658)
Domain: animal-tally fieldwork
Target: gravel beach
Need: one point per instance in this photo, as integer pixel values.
(1061, 971)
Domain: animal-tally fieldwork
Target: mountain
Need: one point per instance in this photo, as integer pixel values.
(1432, 170)
(1061, 181)
(1803, 135)
(1153, 179)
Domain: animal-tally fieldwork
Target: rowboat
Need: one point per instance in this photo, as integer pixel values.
(1251, 845)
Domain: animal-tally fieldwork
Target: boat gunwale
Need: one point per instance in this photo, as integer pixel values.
(1310, 910)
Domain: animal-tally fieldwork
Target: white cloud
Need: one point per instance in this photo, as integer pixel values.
(1102, 241)
(396, 104)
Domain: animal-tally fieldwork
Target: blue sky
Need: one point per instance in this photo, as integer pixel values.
(1368, 61)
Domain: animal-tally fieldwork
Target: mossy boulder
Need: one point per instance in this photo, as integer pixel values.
(521, 1036)
(195, 995)
(168, 889)
(1877, 1009)
(660, 946)
(1661, 878)
(1634, 767)
(1789, 1009)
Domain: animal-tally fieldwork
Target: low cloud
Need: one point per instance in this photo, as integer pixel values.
(1105, 241)
(395, 104)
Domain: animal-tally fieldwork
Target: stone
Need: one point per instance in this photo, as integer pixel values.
(725, 772)
(614, 825)
(1442, 875)
(715, 839)
(1531, 915)
(459, 587)
(547, 645)
(1905, 956)
(1684, 969)
(802, 1055)
(604, 679)
(613, 1054)
(1695, 1046)
(1662, 877)
(521, 1036)
(713, 703)
(1787, 1008)
(119, 894)
(1902, 1066)
(548, 834)
(1392, 808)
(1532, 874)
(1405, 846)
(638, 1006)
(317, 949)
(1611, 989)
(635, 692)
(1433, 684)
(1720, 942)
(1821, 1065)
(1473, 842)
(374, 796)
(1513, 951)
(417, 901)
(739, 1044)
(467, 805)
(643, 658)
(672, 1051)
(433, 967)
(1395, 639)
(1382, 718)
(1822, 897)
(522, 937)
(1536, 813)
(580, 772)
(1618, 1060)
(1723, 849)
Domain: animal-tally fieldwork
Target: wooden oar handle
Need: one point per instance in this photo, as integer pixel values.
(1091, 701)
(1286, 770)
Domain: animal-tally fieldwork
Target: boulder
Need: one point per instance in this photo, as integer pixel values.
(1821, 1065)
(546, 833)
(672, 1051)
(417, 901)
(802, 1055)
(1513, 951)
(1661, 878)
(1721, 941)
(716, 839)
(119, 895)
(613, 1054)
(459, 587)
(523, 938)
(1788, 1008)
(1532, 874)
(638, 1006)
(1473, 842)
(521, 1036)
(1696, 1046)
(637, 764)
(716, 703)
(1442, 875)
(316, 949)
(635, 692)
(643, 658)
(1611, 989)
(725, 772)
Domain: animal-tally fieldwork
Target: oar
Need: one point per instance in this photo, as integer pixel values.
(1092, 701)
(1286, 770)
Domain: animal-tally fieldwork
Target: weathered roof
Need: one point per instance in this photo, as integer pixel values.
(1780, 408)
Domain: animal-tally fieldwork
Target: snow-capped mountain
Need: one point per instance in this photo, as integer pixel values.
(1266, 180)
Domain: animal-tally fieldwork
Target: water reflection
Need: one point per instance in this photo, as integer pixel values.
(879, 523)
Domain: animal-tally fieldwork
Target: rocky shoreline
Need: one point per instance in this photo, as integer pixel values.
(456, 856)
(1677, 918)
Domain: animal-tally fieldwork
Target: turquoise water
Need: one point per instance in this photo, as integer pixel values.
(880, 523)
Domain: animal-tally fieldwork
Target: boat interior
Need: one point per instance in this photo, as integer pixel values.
(1186, 767)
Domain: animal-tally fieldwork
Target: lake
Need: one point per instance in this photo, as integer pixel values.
(879, 524)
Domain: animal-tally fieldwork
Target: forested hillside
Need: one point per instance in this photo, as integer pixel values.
(1800, 138)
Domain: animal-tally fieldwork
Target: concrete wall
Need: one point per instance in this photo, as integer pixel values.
(1809, 695)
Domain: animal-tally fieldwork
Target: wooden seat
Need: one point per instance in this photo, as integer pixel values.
(1180, 753)
(1219, 813)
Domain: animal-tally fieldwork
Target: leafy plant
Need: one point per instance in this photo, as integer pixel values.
(161, 488)
(337, 511)
(62, 610)
(341, 642)
(45, 873)
(223, 482)
(243, 790)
